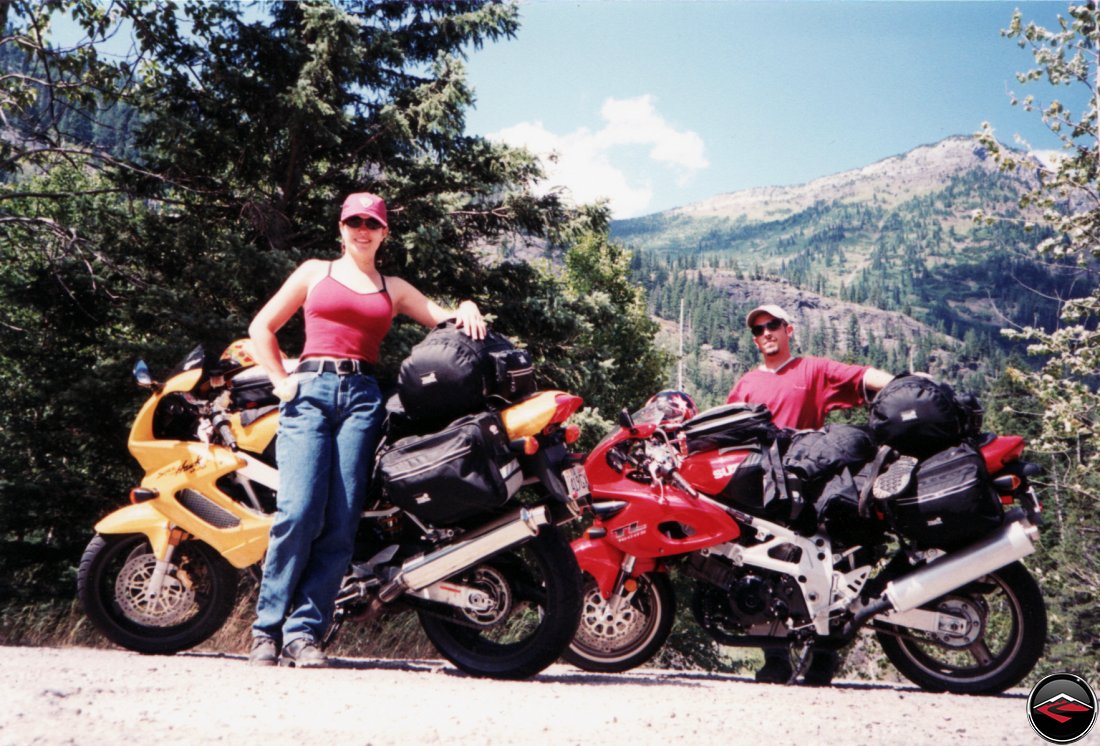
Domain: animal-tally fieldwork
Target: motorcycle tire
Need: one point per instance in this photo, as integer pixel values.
(1006, 608)
(537, 594)
(199, 593)
(612, 643)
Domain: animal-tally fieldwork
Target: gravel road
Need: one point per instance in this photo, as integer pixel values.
(89, 697)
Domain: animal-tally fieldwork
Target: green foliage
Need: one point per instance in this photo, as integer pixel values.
(1063, 405)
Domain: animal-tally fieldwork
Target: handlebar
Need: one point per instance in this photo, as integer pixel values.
(223, 428)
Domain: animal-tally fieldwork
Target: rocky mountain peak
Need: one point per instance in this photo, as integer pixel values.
(887, 182)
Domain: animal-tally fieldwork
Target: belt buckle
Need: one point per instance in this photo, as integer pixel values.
(345, 367)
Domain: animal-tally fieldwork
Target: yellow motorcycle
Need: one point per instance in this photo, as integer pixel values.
(492, 578)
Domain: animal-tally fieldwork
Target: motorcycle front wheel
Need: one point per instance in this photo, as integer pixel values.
(198, 594)
(1007, 627)
(615, 637)
(536, 598)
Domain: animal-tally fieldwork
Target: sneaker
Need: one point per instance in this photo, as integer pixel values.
(822, 668)
(264, 652)
(303, 653)
(776, 670)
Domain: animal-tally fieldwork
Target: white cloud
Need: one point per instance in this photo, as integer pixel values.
(586, 162)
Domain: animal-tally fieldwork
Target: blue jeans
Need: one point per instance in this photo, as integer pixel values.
(327, 436)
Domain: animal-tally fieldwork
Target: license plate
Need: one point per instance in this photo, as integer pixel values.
(576, 481)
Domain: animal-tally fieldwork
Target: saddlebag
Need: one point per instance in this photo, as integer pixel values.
(449, 374)
(443, 477)
(949, 502)
(919, 417)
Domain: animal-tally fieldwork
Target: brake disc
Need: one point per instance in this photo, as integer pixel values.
(173, 605)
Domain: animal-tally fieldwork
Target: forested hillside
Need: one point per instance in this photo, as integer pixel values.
(898, 237)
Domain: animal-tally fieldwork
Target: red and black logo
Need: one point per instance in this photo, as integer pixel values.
(1062, 708)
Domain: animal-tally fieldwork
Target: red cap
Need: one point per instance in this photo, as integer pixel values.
(366, 205)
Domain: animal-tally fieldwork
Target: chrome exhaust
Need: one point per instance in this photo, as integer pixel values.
(1011, 542)
(420, 572)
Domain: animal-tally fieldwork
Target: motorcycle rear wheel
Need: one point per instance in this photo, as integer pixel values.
(1008, 605)
(537, 588)
(199, 593)
(612, 643)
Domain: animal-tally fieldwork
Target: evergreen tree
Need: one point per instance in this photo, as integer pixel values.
(1063, 391)
(248, 133)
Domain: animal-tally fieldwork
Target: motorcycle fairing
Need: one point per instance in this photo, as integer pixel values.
(242, 536)
(144, 446)
(648, 531)
(677, 525)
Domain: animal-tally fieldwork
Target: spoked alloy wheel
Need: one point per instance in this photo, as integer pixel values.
(614, 637)
(198, 594)
(1006, 628)
(535, 597)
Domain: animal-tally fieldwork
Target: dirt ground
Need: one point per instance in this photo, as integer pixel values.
(88, 697)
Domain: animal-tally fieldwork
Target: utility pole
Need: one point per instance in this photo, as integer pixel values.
(680, 373)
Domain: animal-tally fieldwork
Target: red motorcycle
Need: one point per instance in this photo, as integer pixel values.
(936, 577)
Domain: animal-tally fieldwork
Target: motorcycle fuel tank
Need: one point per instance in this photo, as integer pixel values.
(734, 476)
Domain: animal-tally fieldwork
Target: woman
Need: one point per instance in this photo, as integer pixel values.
(330, 416)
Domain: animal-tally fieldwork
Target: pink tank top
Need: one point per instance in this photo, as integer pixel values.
(342, 323)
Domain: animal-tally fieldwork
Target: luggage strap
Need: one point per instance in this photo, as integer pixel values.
(775, 479)
(876, 467)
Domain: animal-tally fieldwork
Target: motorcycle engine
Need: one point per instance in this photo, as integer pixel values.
(730, 601)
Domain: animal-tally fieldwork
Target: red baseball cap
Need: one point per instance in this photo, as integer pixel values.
(366, 205)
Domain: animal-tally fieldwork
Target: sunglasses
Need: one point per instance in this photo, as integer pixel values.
(357, 222)
(771, 326)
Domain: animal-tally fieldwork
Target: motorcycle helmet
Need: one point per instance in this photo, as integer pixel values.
(237, 356)
(676, 408)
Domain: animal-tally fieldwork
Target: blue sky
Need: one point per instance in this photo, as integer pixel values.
(659, 104)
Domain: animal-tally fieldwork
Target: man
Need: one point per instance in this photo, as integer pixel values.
(799, 391)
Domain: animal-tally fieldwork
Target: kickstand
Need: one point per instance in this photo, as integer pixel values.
(803, 653)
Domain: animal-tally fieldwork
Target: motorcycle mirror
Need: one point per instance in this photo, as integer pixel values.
(142, 375)
(625, 420)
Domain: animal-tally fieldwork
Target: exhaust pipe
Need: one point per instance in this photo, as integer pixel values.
(421, 572)
(1011, 542)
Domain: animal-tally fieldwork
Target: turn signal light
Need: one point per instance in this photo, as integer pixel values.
(142, 494)
(530, 445)
(572, 434)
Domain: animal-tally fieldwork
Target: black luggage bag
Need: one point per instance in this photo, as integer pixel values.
(919, 417)
(449, 374)
(949, 503)
(729, 425)
(443, 477)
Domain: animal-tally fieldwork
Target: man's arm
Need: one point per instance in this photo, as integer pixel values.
(874, 380)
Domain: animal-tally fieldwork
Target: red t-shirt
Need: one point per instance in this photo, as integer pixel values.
(803, 391)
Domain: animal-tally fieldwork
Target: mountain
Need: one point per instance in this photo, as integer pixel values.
(897, 237)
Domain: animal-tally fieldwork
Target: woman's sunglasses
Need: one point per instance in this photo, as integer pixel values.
(771, 326)
(357, 222)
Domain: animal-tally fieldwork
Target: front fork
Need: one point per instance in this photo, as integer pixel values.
(625, 585)
(160, 570)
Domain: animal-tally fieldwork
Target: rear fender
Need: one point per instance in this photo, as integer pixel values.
(139, 518)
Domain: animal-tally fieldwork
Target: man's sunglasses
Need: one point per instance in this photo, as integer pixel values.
(357, 222)
(771, 326)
